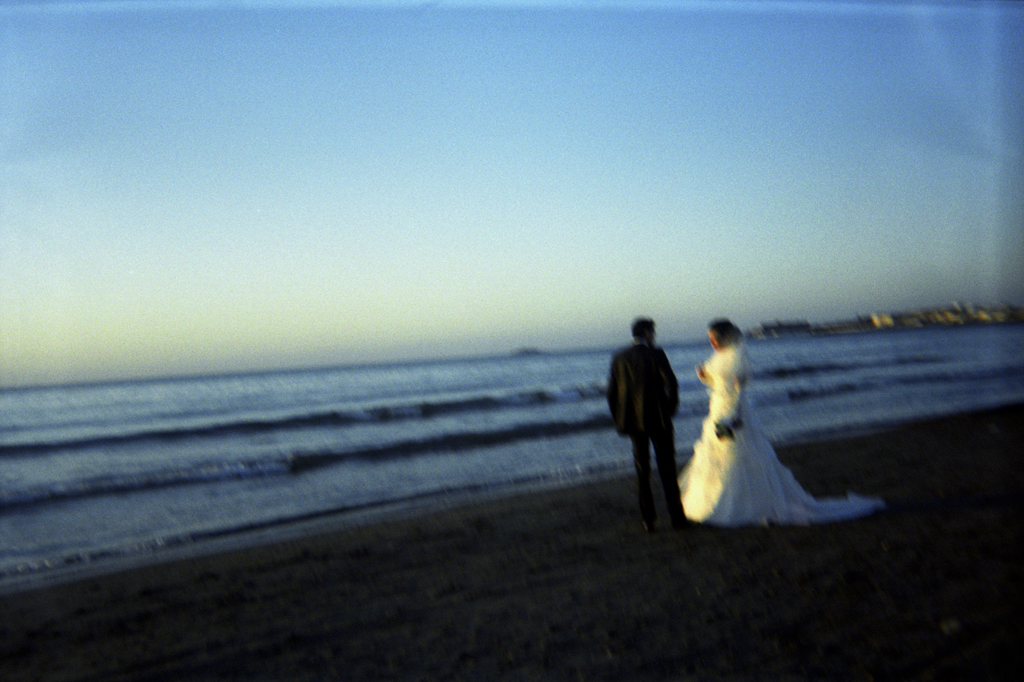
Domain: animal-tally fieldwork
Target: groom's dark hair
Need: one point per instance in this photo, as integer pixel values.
(641, 326)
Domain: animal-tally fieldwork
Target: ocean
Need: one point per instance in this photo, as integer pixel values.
(91, 474)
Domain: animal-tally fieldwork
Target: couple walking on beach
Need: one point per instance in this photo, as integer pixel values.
(734, 477)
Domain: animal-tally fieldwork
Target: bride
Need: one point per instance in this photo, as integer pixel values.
(734, 477)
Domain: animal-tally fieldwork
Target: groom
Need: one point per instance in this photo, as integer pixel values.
(643, 395)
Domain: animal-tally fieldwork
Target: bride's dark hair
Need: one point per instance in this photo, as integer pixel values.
(725, 331)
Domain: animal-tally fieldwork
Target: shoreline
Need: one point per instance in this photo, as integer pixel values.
(159, 550)
(563, 583)
(63, 569)
(288, 530)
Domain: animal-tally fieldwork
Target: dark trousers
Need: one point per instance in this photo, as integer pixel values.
(665, 453)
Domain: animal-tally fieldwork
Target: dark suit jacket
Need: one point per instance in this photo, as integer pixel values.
(643, 393)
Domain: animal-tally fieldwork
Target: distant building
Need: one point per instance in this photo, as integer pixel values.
(956, 314)
(882, 320)
(773, 330)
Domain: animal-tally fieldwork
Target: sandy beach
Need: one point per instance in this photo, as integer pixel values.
(565, 585)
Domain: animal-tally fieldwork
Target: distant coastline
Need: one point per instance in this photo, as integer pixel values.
(957, 314)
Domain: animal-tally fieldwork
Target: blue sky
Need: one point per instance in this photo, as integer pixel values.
(205, 187)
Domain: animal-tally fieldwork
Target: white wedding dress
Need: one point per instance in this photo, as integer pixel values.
(741, 482)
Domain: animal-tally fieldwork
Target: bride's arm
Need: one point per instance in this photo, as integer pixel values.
(733, 382)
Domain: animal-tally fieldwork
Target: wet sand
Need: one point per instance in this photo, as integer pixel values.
(565, 585)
